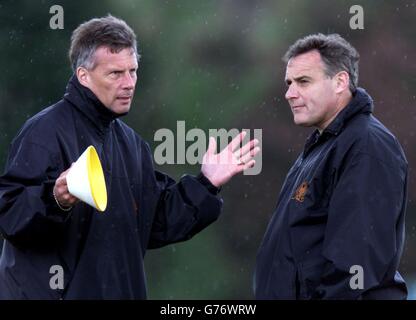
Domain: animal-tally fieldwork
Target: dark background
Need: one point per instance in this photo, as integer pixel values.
(217, 64)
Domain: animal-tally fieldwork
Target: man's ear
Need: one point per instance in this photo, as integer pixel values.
(342, 81)
(83, 76)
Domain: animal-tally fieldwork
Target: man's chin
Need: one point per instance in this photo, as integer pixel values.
(121, 109)
(302, 122)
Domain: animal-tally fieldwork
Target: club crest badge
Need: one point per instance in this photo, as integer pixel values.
(301, 191)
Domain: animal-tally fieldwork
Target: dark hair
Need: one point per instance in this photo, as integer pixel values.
(107, 31)
(336, 53)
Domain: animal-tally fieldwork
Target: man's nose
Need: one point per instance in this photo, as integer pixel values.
(129, 81)
(291, 92)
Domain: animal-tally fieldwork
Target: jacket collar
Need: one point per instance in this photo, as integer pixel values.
(361, 103)
(85, 101)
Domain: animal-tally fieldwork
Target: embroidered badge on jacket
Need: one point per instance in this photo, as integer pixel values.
(301, 191)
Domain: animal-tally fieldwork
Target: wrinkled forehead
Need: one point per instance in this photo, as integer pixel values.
(125, 58)
(305, 64)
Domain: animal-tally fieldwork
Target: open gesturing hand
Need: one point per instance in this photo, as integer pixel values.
(219, 168)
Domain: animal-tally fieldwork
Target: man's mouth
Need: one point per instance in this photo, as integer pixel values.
(124, 98)
(297, 107)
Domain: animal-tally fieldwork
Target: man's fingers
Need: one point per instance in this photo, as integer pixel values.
(62, 177)
(246, 148)
(244, 166)
(61, 190)
(247, 157)
(249, 164)
(235, 143)
(64, 181)
(64, 197)
(61, 181)
(212, 146)
(72, 199)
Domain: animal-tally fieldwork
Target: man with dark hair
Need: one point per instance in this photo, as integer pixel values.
(46, 228)
(338, 228)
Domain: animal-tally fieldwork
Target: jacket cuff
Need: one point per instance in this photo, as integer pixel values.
(205, 182)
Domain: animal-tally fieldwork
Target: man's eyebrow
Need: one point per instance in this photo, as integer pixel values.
(302, 78)
(297, 79)
(111, 69)
(114, 68)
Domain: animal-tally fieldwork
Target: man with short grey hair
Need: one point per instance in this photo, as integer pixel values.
(48, 230)
(338, 228)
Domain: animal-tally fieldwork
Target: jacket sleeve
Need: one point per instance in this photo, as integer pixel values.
(183, 208)
(365, 229)
(28, 211)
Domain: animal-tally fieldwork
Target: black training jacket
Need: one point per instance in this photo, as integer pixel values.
(337, 231)
(101, 254)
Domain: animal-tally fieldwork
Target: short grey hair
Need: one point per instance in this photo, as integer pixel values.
(108, 31)
(337, 54)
